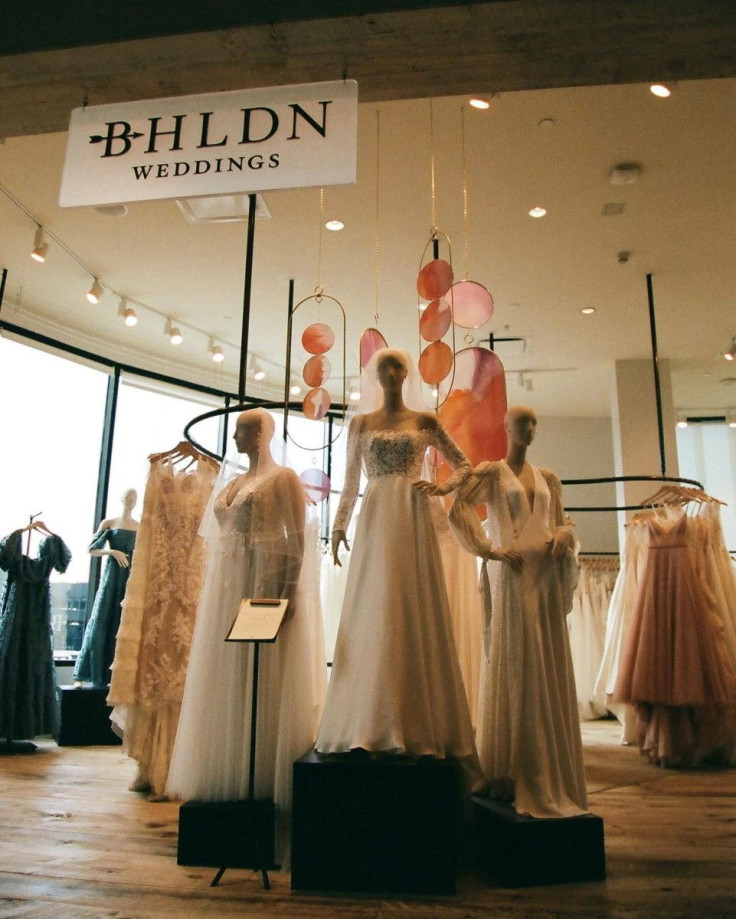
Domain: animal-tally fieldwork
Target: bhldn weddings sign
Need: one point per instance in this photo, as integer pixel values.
(212, 144)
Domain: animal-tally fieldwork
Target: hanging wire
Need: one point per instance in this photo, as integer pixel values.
(318, 289)
(433, 182)
(465, 194)
(378, 228)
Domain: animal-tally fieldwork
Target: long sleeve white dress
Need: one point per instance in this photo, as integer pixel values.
(528, 728)
(396, 684)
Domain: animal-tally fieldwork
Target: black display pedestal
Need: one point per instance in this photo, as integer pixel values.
(85, 718)
(521, 851)
(391, 825)
(227, 834)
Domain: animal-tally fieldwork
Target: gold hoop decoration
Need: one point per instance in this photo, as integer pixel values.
(435, 283)
(318, 405)
(473, 304)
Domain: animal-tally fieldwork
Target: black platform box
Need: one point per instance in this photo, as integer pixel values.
(522, 851)
(391, 825)
(85, 718)
(223, 834)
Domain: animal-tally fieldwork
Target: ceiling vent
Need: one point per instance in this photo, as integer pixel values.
(612, 209)
(220, 208)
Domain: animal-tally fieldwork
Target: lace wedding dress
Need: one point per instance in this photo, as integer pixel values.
(396, 684)
(253, 553)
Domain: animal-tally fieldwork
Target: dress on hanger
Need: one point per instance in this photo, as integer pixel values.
(29, 703)
(675, 665)
(528, 727)
(395, 684)
(152, 649)
(251, 557)
(98, 645)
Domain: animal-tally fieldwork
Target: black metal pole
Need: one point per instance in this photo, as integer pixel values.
(103, 477)
(435, 248)
(3, 279)
(253, 724)
(224, 425)
(657, 385)
(287, 368)
(247, 287)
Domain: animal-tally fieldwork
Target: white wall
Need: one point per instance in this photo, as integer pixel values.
(582, 448)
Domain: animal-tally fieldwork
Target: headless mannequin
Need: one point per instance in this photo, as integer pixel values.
(124, 522)
(392, 416)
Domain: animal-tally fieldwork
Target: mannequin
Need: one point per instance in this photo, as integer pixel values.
(260, 543)
(98, 646)
(528, 730)
(396, 685)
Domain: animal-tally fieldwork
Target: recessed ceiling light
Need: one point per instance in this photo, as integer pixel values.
(480, 103)
(587, 310)
(546, 123)
(334, 225)
(112, 210)
(624, 173)
(660, 90)
(538, 212)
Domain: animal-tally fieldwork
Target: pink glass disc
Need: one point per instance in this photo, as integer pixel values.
(435, 320)
(316, 403)
(370, 341)
(435, 362)
(316, 370)
(318, 338)
(472, 303)
(434, 279)
(316, 484)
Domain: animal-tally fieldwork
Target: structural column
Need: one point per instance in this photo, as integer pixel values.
(636, 446)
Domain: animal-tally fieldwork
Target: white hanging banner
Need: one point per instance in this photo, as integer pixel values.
(212, 144)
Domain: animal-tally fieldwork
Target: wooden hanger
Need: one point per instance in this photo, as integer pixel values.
(182, 451)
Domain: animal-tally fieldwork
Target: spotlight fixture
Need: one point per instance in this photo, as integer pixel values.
(95, 292)
(334, 225)
(731, 421)
(218, 355)
(295, 389)
(660, 90)
(40, 246)
(587, 310)
(480, 103)
(354, 393)
(259, 373)
(127, 312)
(538, 212)
(730, 352)
(174, 333)
(681, 421)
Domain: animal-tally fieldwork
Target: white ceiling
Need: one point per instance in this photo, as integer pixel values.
(678, 223)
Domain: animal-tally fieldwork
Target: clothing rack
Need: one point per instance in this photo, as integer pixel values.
(607, 480)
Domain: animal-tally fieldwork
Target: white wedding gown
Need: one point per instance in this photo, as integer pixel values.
(210, 761)
(528, 728)
(396, 684)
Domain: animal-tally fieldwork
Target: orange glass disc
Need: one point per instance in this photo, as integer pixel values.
(370, 342)
(472, 303)
(316, 403)
(316, 370)
(435, 362)
(434, 279)
(318, 338)
(435, 320)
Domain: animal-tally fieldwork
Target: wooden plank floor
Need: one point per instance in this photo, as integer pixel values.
(76, 844)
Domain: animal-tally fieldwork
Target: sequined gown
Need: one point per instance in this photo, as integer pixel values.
(396, 684)
(98, 645)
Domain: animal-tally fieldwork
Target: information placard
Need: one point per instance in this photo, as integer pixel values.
(258, 620)
(212, 144)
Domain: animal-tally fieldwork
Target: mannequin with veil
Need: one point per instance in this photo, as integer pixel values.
(396, 685)
(260, 543)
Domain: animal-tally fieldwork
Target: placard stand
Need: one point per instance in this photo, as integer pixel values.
(247, 823)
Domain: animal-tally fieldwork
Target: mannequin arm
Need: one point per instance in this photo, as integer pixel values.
(442, 441)
(562, 540)
(350, 489)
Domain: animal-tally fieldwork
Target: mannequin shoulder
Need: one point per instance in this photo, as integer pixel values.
(428, 421)
(550, 477)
